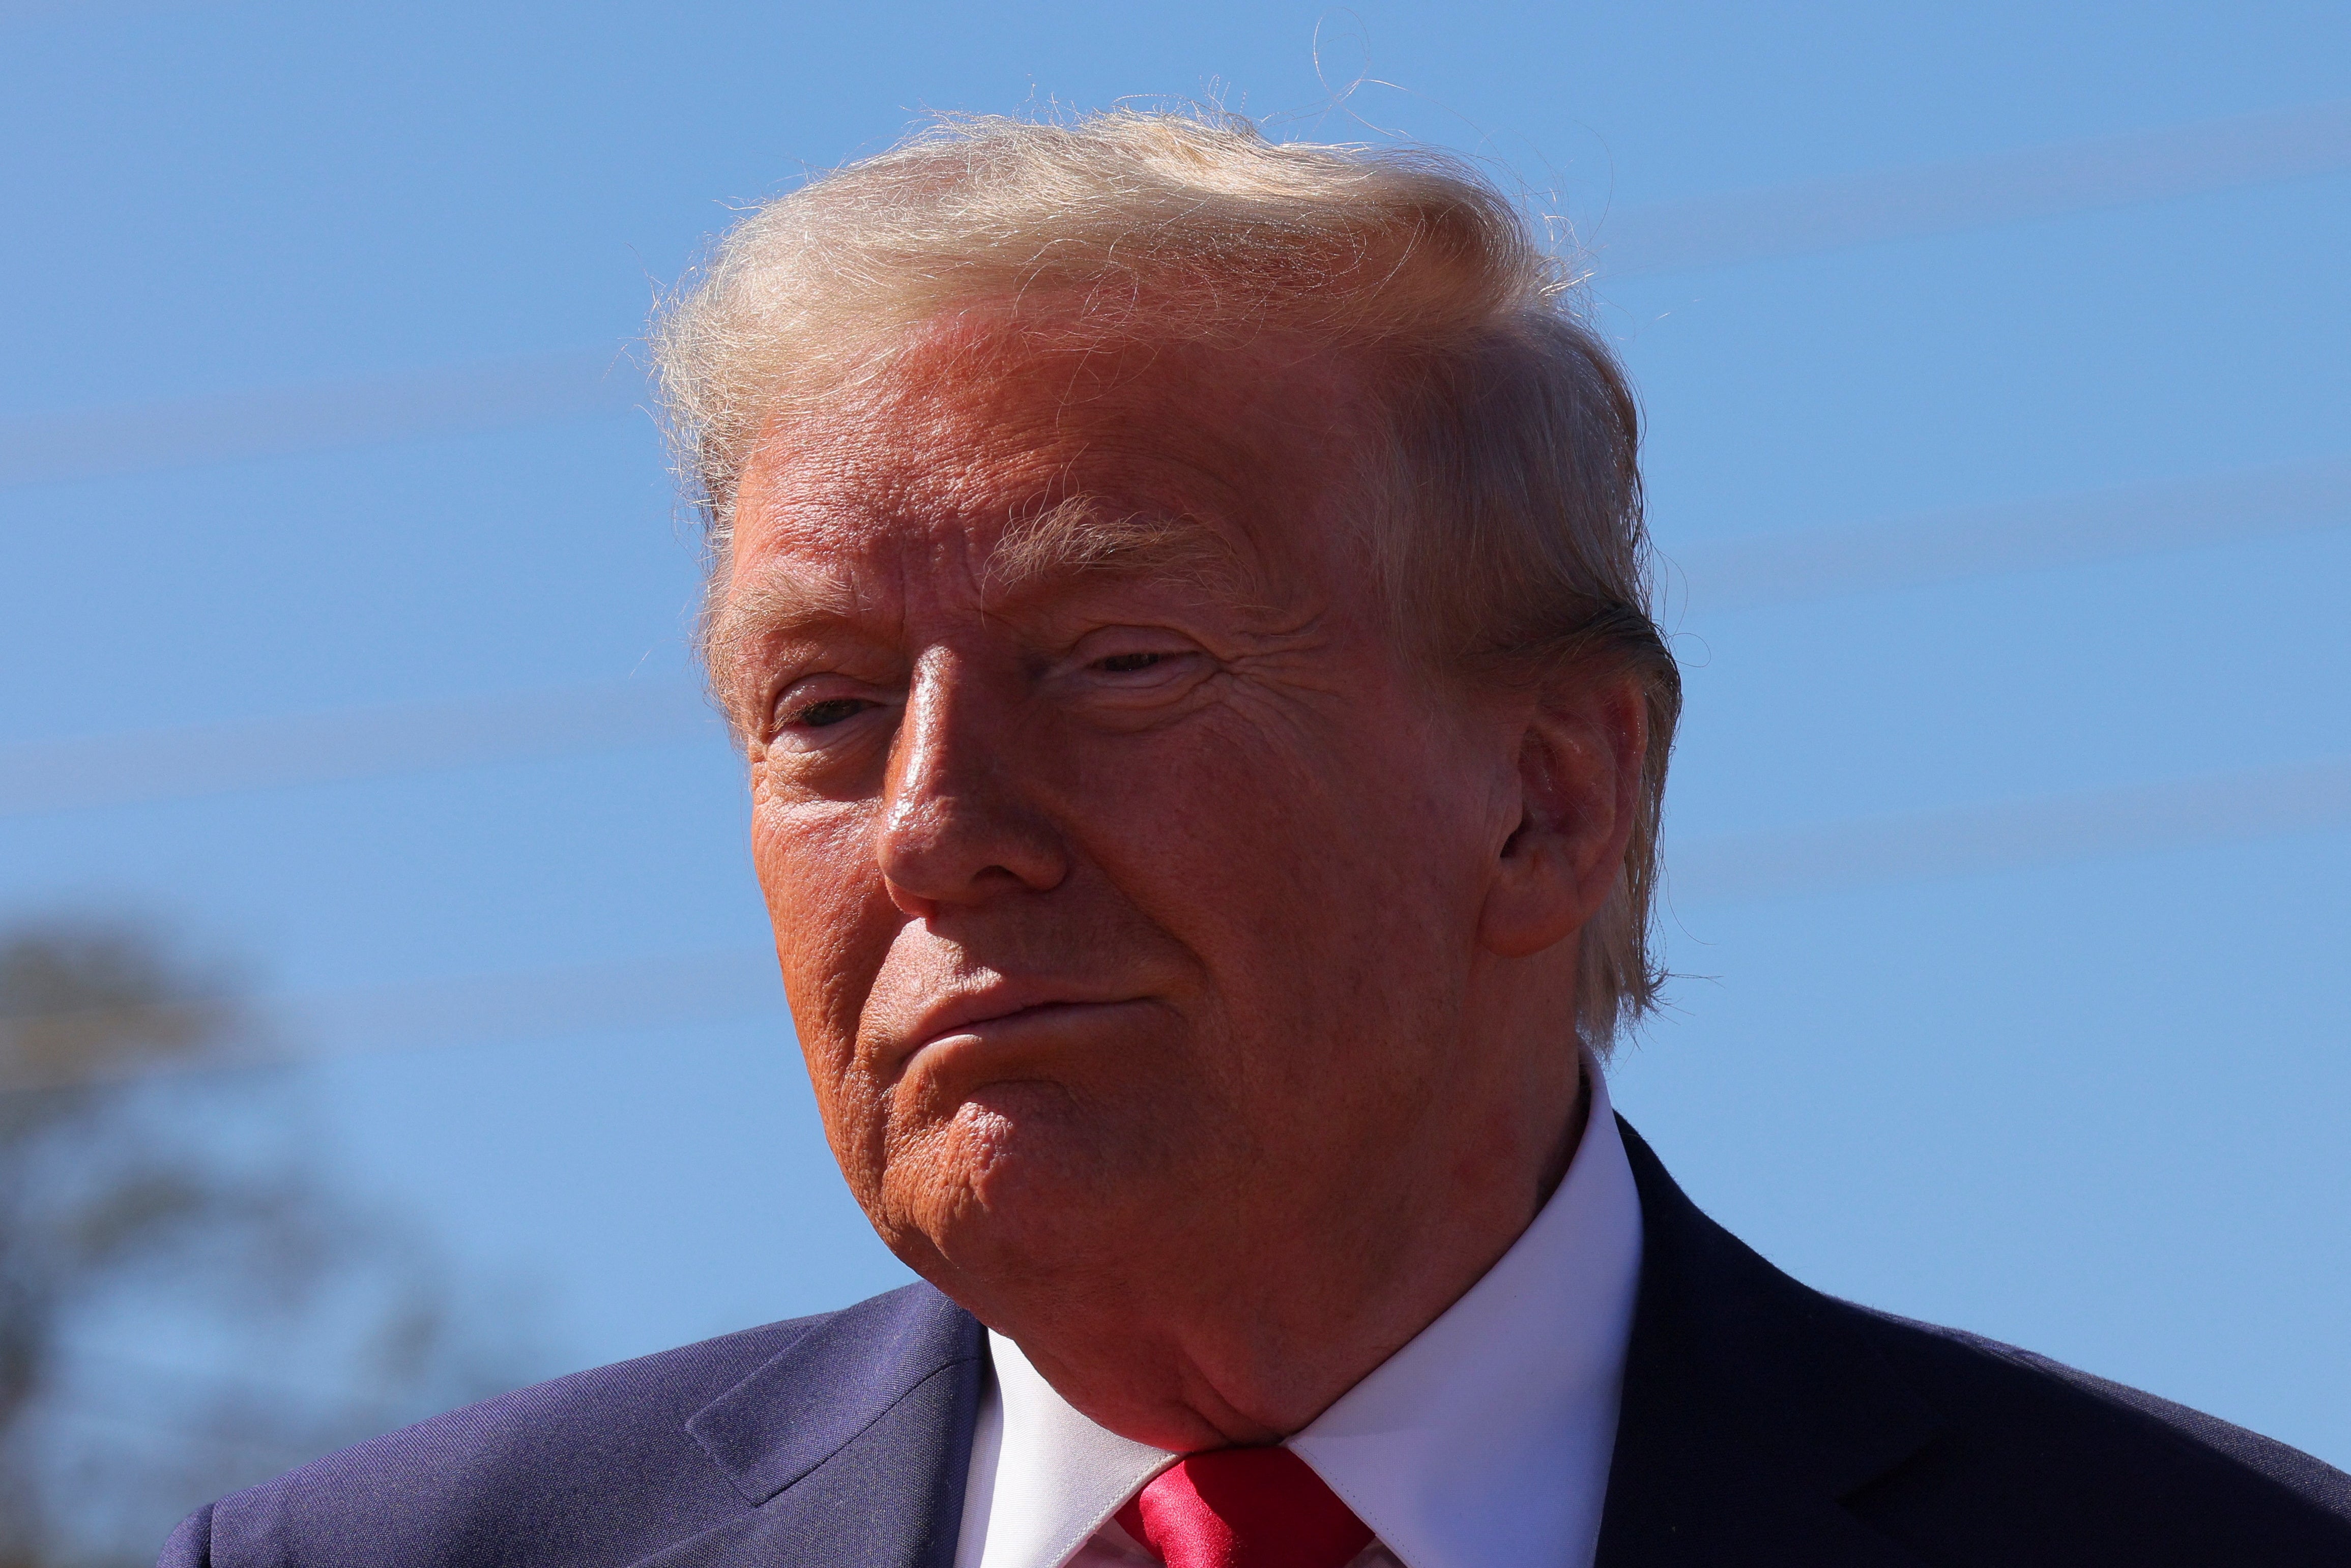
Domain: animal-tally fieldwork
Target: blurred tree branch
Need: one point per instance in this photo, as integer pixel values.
(188, 1218)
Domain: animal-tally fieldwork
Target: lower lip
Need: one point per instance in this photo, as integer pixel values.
(1048, 1016)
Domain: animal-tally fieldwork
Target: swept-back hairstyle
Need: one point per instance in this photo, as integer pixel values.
(1509, 530)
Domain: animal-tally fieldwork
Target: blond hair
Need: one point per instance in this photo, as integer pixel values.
(1510, 538)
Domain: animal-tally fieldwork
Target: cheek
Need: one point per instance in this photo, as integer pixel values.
(1323, 903)
(1253, 816)
(833, 924)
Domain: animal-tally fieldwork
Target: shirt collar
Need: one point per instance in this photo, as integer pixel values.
(1043, 1477)
(1485, 1439)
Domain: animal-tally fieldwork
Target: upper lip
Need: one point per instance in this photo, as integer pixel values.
(999, 999)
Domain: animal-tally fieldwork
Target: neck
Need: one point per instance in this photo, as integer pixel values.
(1255, 1353)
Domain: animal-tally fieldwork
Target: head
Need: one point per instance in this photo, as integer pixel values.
(1181, 599)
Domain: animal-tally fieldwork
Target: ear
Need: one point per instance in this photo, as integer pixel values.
(1581, 750)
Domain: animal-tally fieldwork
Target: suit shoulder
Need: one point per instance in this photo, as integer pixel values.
(516, 1480)
(2118, 1464)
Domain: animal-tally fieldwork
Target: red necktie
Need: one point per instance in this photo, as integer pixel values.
(1245, 1507)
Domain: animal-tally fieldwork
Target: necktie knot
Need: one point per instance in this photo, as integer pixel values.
(1244, 1508)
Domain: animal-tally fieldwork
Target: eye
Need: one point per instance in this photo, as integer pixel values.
(1126, 664)
(815, 718)
(831, 711)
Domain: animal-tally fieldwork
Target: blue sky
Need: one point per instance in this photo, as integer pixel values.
(2100, 1106)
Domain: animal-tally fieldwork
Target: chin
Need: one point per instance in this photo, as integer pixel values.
(1021, 1184)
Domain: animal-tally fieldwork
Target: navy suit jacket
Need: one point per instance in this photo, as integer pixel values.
(1764, 1425)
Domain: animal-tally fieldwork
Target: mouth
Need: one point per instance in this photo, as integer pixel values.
(1008, 1017)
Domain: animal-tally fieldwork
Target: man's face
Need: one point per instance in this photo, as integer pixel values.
(1125, 868)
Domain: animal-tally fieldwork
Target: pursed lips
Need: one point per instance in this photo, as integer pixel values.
(1005, 1007)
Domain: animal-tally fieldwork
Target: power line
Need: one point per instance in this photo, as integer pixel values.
(345, 744)
(322, 417)
(50, 1050)
(1720, 230)
(1984, 541)
(1968, 839)
(2047, 181)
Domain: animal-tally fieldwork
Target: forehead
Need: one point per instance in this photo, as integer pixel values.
(968, 437)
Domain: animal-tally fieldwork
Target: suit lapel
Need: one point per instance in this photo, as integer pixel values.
(851, 1443)
(1752, 1406)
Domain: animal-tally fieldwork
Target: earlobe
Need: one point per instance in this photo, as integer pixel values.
(1531, 904)
(1579, 769)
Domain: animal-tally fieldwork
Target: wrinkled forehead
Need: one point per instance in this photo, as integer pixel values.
(987, 469)
(968, 418)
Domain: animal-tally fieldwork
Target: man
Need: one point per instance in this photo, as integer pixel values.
(1182, 601)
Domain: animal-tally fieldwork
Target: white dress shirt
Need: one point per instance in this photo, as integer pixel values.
(1484, 1440)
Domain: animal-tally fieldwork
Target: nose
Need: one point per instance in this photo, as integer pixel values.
(960, 825)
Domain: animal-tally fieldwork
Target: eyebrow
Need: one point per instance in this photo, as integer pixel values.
(1079, 537)
(737, 621)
